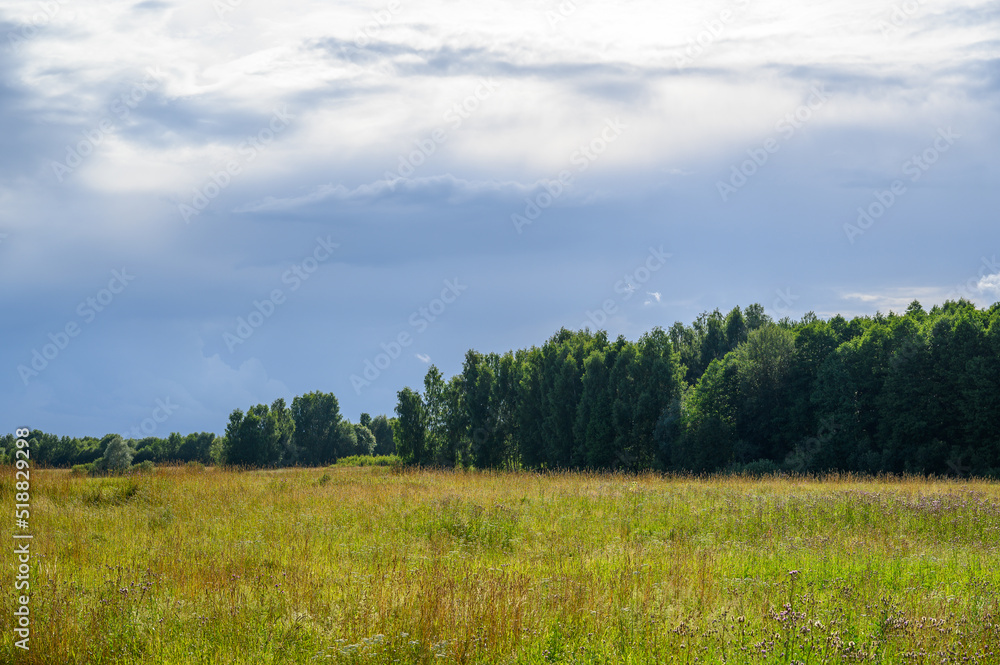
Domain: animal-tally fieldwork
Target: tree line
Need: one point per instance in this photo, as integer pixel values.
(917, 392)
(311, 432)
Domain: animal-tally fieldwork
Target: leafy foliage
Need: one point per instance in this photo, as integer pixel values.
(913, 393)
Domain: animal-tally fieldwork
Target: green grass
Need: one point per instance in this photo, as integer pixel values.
(379, 565)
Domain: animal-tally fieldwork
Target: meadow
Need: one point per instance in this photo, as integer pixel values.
(383, 565)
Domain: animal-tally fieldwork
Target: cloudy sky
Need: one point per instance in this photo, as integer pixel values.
(207, 205)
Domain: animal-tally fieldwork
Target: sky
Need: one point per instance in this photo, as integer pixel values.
(210, 205)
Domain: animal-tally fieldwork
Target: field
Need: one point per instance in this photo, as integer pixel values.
(377, 565)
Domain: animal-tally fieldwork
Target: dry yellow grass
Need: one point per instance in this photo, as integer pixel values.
(371, 565)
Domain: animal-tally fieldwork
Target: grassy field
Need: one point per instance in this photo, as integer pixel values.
(374, 565)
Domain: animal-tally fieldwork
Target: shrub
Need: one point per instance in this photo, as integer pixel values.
(81, 469)
(369, 460)
(117, 456)
(145, 466)
(194, 466)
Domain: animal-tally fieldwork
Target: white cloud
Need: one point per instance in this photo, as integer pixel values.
(601, 62)
(424, 358)
(990, 283)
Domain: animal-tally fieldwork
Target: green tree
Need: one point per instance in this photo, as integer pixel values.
(436, 411)
(763, 365)
(736, 329)
(347, 440)
(117, 455)
(384, 443)
(594, 427)
(755, 317)
(477, 384)
(258, 438)
(707, 440)
(317, 433)
(364, 440)
(411, 439)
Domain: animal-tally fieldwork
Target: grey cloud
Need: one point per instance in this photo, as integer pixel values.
(445, 188)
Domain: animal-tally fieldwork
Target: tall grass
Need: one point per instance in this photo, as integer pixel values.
(378, 565)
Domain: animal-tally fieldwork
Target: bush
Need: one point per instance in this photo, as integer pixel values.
(117, 456)
(82, 469)
(761, 467)
(145, 466)
(369, 460)
(194, 466)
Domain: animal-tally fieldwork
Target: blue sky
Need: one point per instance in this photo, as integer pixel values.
(207, 206)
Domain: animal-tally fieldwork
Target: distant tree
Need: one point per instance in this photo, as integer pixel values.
(411, 442)
(657, 377)
(707, 438)
(172, 452)
(317, 433)
(196, 448)
(763, 366)
(366, 420)
(736, 329)
(477, 385)
(755, 317)
(117, 455)
(260, 437)
(436, 410)
(384, 443)
(714, 345)
(284, 424)
(45, 448)
(456, 442)
(347, 440)
(364, 440)
(594, 427)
